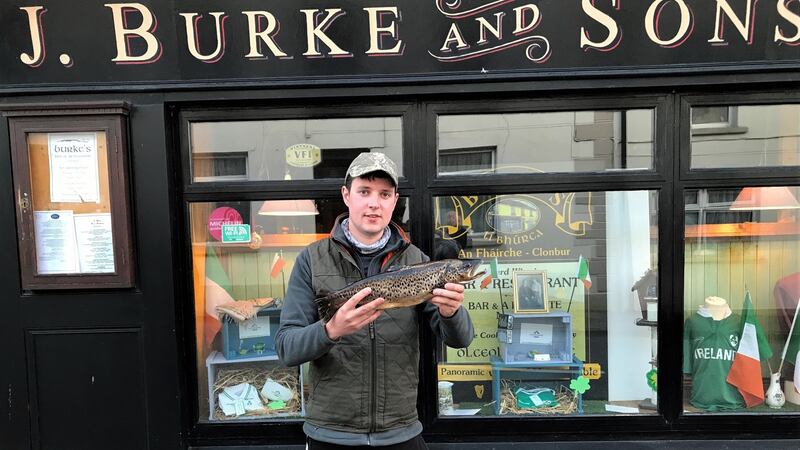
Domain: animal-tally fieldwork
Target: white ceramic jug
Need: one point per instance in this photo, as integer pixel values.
(774, 397)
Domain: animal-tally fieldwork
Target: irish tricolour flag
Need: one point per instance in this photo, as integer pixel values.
(583, 272)
(745, 371)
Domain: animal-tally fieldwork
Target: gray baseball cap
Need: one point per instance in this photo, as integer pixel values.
(373, 162)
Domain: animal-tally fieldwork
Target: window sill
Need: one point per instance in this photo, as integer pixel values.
(718, 130)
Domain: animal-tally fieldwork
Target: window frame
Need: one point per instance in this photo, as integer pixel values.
(280, 112)
(660, 105)
(686, 131)
(687, 179)
(421, 184)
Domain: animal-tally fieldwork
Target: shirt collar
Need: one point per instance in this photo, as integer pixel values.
(366, 249)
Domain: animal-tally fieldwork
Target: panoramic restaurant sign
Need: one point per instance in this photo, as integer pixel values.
(89, 42)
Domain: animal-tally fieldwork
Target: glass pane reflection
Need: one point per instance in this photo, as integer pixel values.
(566, 317)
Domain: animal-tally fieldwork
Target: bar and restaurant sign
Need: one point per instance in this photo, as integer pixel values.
(52, 43)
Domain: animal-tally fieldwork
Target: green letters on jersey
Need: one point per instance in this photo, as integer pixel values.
(708, 349)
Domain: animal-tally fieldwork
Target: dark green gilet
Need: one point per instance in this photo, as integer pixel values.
(363, 384)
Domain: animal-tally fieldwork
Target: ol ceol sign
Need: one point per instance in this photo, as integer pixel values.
(159, 42)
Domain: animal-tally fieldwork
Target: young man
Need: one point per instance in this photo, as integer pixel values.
(363, 374)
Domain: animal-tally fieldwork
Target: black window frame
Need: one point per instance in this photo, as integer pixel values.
(687, 101)
(655, 179)
(670, 177)
(776, 423)
(286, 431)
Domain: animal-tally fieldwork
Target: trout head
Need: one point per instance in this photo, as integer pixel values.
(462, 270)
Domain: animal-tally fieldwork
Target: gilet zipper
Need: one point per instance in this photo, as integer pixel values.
(373, 390)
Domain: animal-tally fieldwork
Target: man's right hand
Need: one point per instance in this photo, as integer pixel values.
(351, 318)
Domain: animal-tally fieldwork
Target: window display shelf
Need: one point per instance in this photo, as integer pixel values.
(530, 372)
(253, 371)
(299, 240)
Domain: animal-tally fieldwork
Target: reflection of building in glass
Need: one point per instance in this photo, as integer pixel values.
(565, 141)
(241, 149)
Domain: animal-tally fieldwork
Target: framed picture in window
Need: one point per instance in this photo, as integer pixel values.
(530, 291)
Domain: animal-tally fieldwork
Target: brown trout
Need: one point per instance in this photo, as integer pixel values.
(404, 286)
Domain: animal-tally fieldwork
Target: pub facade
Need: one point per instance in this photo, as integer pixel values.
(627, 173)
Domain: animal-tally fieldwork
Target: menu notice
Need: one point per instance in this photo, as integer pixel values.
(73, 243)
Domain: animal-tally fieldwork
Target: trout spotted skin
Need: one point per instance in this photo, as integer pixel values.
(403, 287)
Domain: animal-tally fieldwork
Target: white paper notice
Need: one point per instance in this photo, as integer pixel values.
(73, 167)
(536, 333)
(95, 243)
(255, 327)
(56, 249)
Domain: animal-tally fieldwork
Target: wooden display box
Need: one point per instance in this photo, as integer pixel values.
(548, 335)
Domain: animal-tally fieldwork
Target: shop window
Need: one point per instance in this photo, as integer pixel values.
(587, 141)
(745, 136)
(741, 285)
(566, 316)
(243, 253)
(288, 149)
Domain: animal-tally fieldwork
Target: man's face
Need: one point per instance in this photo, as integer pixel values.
(371, 204)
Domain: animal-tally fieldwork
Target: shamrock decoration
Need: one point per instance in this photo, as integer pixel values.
(580, 384)
(277, 404)
(652, 379)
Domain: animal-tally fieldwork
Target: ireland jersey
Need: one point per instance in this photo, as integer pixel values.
(708, 349)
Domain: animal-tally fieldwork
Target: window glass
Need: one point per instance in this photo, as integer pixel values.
(71, 203)
(243, 254)
(586, 141)
(299, 149)
(566, 316)
(741, 287)
(745, 136)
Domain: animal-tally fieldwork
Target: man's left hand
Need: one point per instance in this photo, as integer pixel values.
(448, 299)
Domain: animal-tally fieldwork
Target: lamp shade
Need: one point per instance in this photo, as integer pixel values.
(287, 208)
(765, 197)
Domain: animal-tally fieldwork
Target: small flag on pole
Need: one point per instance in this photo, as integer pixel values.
(492, 274)
(745, 372)
(277, 265)
(583, 272)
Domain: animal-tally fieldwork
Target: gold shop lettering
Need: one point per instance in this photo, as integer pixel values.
(500, 24)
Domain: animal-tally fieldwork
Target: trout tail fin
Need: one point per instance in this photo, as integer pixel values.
(325, 307)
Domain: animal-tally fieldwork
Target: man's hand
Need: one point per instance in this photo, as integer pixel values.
(448, 299)
(350, 318)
